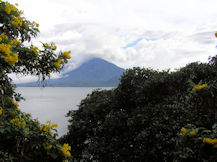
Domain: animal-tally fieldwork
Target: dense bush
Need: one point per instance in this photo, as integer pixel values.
(23, 138)
(150, 116)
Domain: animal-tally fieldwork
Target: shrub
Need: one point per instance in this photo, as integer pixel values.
(23, 138)
(142, 119)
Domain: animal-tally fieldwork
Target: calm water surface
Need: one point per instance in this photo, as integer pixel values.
(53, 103)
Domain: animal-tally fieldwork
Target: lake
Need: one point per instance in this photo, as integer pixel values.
(53, 103)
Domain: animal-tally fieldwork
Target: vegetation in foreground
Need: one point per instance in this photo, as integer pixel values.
(150, 116)
(23, 138)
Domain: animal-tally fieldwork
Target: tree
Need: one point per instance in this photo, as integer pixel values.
(150, 116)
(23, 138)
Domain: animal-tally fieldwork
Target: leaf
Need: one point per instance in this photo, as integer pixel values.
(53, 155)
(2, 130)
(214, 126)
(190, 82)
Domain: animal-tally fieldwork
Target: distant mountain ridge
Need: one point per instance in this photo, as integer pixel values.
(95, 72)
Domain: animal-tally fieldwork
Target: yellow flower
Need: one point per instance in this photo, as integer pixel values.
(214, 141)
(210, 141)
(15, 42)
(1, 110)
(47, 145)
(46, 45)
(23, 124)
(26, 25)
(9, 8)
(18, 123)
(48, 122)
(37, 122)
(187, 132)
(184, 130)
(55, 125)
(35, 24)
(15, 104)
(192, 133)
(66, 54)
(17, 21)
(15, 121)
(65, 160)
(207, 140)
(67, 154)
(57, 64)
(5, 48)
(11, 59)
(53, 46)
(198, 87)
(50, 132)
(65, 150)
(21, 12)
(26, 132)
(47, 128)
(3, 36)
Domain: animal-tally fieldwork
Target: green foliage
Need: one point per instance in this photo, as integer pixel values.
(142, 119)
(23, 138)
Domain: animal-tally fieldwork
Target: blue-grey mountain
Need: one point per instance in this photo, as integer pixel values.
(95, 72)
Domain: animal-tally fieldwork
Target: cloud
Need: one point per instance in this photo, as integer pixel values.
(17, 78)
(157, 34)
(204, 37)
(151, 48)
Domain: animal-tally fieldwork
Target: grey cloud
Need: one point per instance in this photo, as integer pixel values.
(204, 37)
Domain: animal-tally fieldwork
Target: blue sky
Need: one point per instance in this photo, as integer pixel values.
(132, 44)
(160, 34)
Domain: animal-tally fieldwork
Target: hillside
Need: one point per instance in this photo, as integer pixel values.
(95, 72)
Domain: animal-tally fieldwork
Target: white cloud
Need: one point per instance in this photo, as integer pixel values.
(183, 31)
(17, 78)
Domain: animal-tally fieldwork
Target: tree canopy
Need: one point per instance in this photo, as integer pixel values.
(150, 116)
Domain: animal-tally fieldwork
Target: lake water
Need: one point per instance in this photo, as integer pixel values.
(53, 103)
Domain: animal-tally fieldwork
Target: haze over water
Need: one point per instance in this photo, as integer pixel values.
(53, 103)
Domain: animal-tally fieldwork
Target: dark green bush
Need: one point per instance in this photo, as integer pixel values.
(141, 119)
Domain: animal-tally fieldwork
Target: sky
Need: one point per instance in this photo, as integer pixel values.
(158, 34)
